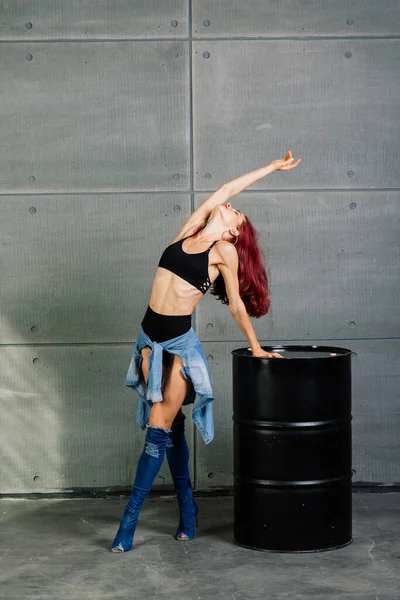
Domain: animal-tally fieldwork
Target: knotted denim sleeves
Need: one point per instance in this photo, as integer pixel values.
(195, 369)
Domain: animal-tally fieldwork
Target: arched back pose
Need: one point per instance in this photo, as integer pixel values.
(216, 246)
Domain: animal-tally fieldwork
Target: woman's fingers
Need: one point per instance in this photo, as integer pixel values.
(291, 166)
(286, 163)
(288, 158)
(263, 354)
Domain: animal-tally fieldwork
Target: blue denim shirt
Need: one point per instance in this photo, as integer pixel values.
(195, 369)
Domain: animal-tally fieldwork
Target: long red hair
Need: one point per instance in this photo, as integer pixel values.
(253, 280)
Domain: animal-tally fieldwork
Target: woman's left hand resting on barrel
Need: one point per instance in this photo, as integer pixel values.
(228, 266)
(262, 354)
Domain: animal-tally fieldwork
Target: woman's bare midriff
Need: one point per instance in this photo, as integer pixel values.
(172, 295)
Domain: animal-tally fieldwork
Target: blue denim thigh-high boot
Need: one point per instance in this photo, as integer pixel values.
(148, 467)
(178, 462)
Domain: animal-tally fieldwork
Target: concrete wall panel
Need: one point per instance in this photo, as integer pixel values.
(375, 409)
(68, 420)
(231, 18)
(333, 263)
(101, 156)
(332, 102)
(80, 268)
(94, 117)
(49, 19)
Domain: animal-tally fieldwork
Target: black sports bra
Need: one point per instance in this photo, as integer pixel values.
(193, 268)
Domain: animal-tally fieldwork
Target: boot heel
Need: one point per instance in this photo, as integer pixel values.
(189, 511)
(124, 538)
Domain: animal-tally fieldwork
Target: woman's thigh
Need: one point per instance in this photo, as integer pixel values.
(174, 383)
(174, 392)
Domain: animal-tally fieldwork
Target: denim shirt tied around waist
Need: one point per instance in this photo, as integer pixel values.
(195, 369)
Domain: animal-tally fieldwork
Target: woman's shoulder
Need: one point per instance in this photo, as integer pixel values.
(226, 253)
(225, 248)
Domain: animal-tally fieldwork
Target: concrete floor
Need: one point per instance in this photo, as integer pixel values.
(59, 549)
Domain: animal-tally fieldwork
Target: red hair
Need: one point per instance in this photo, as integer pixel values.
(253, 280)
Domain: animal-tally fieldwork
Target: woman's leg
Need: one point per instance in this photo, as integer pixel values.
(177, 451)
(178, 460)
(148, 467)
(153, 453)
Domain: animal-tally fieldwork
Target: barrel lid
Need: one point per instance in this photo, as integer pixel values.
(299, 351)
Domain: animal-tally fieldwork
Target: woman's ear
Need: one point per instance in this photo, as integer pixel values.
(234, 231)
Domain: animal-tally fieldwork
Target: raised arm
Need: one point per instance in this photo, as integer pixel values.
(234, 187)
(241, 183)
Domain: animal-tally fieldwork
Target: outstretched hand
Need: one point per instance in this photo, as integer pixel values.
(285, 164)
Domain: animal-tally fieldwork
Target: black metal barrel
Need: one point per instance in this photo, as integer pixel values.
(292, 449)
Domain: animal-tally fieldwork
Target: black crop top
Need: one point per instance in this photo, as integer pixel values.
(193, 268)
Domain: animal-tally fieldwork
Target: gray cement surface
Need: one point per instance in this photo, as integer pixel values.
(60, 549)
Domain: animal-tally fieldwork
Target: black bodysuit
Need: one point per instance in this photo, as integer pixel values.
(193, 268)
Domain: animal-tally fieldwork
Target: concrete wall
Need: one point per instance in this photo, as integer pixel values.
(116, 121)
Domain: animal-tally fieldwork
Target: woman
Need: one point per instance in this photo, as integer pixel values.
(216, 245)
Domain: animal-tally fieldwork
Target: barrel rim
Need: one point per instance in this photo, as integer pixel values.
(338, 351)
